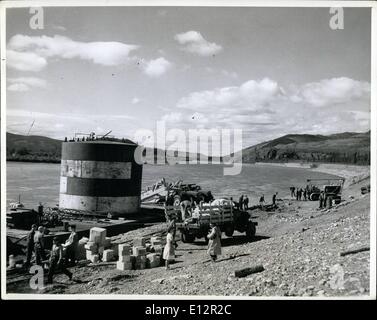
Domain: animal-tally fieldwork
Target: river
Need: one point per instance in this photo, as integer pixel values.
(39, 182)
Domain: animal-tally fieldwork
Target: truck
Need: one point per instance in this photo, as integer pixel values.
(176, 192)
(332, 190)
(226, 215)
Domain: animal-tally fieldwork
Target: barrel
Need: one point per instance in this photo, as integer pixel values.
(100, 177)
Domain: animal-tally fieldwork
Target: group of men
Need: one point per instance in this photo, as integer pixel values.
(243, 202)
(61, 255)
(300, 193)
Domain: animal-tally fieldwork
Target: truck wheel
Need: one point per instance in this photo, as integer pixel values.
(186, 237)
(229, 230)
(250, 230)
(329, 202)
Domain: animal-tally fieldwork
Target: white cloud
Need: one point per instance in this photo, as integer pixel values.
(24, 48)
(332, 91)
(250, 96)
(135, 100)
(265, 110)
(19, 87)
(25, 61)
(26, 83)
(193, 42)
(157, 67)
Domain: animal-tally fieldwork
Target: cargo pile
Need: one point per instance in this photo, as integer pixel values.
(144, 252)
(98, 246)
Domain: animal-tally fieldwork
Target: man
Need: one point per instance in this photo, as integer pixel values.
(305, 194)
(321, 200)
(40, 212)
(274, 199)
(56, 261)
(293, 191)
(261, 201)
(39, 246)
(71, 246)
(30, 244)
(240, 202)
(173, 227)
(214, 243)
(246, 203)
(186, 209)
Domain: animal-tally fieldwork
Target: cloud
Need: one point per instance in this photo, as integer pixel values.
(26, 83)
(25, 61)
(250, 96)
(332, 91)
(135, 100)
(60, 125)
(157, 67)
(43, 47)
(193, 42)
(19, 87)
(263, 109)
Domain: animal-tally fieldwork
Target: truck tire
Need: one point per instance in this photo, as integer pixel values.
(186, 237)
(329, 202)
(229, 230)
(250, 231)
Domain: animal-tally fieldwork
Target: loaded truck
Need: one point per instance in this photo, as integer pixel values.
(197, 225)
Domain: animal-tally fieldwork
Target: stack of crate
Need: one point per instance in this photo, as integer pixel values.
(139, 252)
(95, 247)
(124, 254)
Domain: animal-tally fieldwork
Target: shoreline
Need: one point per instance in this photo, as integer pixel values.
(352, 173)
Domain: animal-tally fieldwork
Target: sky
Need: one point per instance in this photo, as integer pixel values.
(266, 71)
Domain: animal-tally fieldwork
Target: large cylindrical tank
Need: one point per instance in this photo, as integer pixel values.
(100, 176)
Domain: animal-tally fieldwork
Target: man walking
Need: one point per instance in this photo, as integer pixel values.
(214, 243)
(30, 244)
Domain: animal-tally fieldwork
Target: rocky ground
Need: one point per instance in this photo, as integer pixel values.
(298, 246)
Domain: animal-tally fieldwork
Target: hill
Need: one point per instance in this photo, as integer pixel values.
(347, 147)
(32, 148)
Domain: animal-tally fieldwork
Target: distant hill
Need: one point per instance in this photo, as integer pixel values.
(347, 147)
(33, 148)
(43, 149)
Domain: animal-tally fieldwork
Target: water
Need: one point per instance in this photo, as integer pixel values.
(39, 182)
